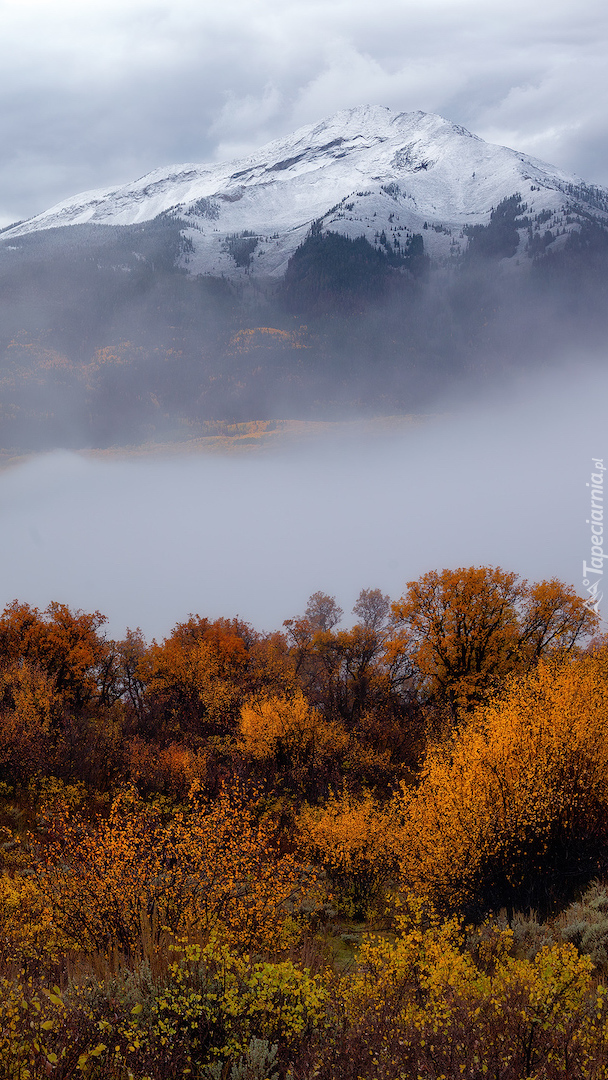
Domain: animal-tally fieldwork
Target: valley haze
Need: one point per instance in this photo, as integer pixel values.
(148, 541)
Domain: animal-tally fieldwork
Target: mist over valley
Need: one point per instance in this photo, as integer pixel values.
(254, 532)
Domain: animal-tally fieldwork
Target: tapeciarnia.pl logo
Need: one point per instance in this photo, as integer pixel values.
(593, 571)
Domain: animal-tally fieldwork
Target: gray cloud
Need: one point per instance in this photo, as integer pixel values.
(97, 94)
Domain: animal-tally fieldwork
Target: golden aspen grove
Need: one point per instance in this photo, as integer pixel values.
(372, 853)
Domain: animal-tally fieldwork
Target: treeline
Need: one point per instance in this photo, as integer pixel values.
(377, 692)
(323, 852)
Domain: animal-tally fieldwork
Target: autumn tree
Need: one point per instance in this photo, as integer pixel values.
(553, 617)
(294, 742)
(468, 628)
(28, 704)
(59, 707)
(512, 811)
(355, 840)
(361, 677)
(66, 645)
(196, 680)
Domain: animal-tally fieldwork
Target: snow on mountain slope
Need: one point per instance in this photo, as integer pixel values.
(360, 172)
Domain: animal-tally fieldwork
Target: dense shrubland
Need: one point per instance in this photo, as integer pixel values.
(330, 852)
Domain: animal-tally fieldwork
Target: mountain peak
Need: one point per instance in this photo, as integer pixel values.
(367, 171)
(376, 122)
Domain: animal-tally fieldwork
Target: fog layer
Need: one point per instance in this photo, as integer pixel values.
(148, 541)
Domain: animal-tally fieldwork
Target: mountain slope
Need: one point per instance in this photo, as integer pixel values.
(295, 284)
(362, 172)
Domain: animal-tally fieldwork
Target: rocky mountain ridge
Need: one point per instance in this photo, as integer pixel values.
(367, 171)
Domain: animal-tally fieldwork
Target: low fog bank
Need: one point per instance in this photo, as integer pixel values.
(148, 541)
(105, 342)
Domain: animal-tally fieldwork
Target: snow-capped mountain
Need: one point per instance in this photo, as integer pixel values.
(361, 172)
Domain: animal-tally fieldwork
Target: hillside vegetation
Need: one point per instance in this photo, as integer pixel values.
(105, 340)
(372, 852)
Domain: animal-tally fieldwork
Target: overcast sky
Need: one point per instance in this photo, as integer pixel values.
(100, 92)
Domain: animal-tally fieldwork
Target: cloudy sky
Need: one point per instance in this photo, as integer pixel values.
(100, 92)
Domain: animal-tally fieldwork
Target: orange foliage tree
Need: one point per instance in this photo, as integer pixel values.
(196, 680)
(468, 628)
(65, 645)
(292, 740)
(513, 810)
(28, 703)
(356, 842)
(58, 694)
